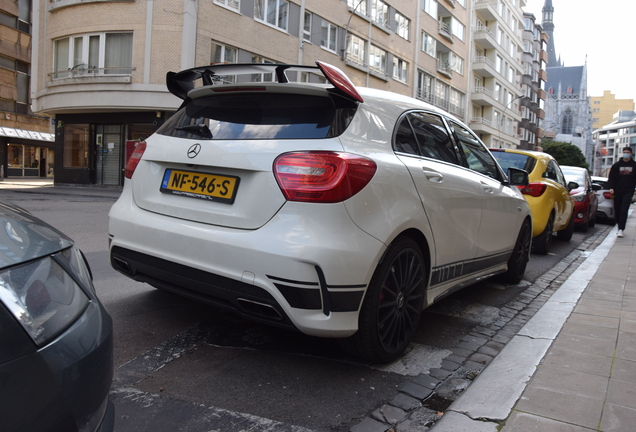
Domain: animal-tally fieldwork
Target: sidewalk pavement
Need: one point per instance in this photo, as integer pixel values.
(572, 367)
(46, 185)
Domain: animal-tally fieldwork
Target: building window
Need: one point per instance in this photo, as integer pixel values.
(402, 25)
(430, 7)
(454, 62)
(224, 54)
(457, 28)
(329, 32)
(380, 13)
(567, 122)
(498, 64)
(356, 50)
(76, 146)
(263, 77)
(232, 4)
(569, 90)
(358, 6)
(307, 27)
(93, 54)
(377, 60)
(425, 84)
(400, 69)
(429, 45)
(271, 12)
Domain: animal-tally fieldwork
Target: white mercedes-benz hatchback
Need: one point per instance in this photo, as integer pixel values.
(338, 211)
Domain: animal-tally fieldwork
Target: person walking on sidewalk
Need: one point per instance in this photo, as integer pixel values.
(622, 181)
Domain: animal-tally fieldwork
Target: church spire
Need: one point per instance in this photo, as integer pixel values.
(548, 27)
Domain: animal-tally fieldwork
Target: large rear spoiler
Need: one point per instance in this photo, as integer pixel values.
(180, 83)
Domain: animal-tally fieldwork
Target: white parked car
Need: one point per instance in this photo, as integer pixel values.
(338, 211)
(605, 200)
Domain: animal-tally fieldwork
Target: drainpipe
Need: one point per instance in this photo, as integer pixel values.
(301, 27)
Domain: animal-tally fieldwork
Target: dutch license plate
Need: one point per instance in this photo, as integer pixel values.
(211, 187)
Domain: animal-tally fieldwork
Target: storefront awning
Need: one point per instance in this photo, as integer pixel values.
(26, 134)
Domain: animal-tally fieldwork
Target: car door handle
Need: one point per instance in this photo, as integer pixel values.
(487, 188)
(433, 176)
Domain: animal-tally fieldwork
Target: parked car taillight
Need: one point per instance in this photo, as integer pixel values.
(534, 189)
(320, 176)
(131, 166)
(608, 195)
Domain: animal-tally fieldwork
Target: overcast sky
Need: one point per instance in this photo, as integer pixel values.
(603, 30)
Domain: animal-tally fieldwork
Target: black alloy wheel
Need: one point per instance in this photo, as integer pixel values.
(393, 304)
(520, 255)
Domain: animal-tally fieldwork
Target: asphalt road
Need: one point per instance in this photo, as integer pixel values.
(183, 366)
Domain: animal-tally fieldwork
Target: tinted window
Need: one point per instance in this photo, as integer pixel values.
(425, 135)
(477, 155)
(514, 160)
(260, 116)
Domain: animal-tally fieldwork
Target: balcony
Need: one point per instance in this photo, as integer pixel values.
(484, 37)
(542, 94)
(444, 68)
(444, 30)
(482, 96)
(484, 67)
(486, 9)
(543, 75)
(543, 55)
(81, 74)
(453, 3)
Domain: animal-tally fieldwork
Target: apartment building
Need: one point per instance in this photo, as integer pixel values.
(26, 144)
(604, 107)
(610, 139)
(496, 71)
(534, 62)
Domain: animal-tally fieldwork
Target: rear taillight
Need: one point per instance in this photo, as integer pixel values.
(533, 189)
(131, 166)
(608, 195)
(324, 177)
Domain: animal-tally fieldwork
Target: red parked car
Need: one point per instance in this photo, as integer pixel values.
(585, 199)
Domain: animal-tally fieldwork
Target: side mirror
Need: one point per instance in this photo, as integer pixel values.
(596, 187)
(518, 177)
(572, 186)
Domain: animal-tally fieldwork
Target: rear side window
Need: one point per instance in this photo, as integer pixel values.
(423, 134)
(261, 116)
(514, 160)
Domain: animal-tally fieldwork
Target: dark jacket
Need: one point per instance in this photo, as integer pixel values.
(622, 177)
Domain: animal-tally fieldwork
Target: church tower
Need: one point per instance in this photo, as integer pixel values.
(548, 27)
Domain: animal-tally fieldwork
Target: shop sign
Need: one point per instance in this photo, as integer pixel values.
(26, 134)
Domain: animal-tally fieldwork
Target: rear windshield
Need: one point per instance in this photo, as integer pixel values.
(515, 160)
(261, 116)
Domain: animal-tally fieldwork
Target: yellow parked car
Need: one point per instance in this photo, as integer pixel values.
(548, 195)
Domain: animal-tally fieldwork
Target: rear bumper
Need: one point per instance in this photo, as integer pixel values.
(307, 268)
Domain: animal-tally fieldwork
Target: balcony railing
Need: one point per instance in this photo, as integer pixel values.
(444, 68)
(483, 90)
(481, 120)
(483, 59)
(83, 70)
(484, 30)
(445, 30)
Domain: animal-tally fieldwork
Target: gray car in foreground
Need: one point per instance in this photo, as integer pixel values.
(56, 342)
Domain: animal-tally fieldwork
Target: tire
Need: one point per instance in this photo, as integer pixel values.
(520, 255)
(392, 306)
(592, 221)
(566, 233)
(542, 242)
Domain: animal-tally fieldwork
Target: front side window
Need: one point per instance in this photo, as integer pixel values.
(377, 59)
(76, 145)
(423, 134)
(329, 32)
(272, 12)
(402, 26)
(93, 54)
(400, 69)
(477, 155)
(356, 49)
(429, 45)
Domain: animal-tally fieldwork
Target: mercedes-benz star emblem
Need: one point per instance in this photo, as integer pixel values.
(194, 151)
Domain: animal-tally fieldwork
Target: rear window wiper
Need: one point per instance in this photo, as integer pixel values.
(200, 129)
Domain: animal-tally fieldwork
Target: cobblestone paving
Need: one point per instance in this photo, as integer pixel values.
(422, 400)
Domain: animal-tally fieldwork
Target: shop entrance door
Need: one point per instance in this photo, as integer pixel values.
(109, 154)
